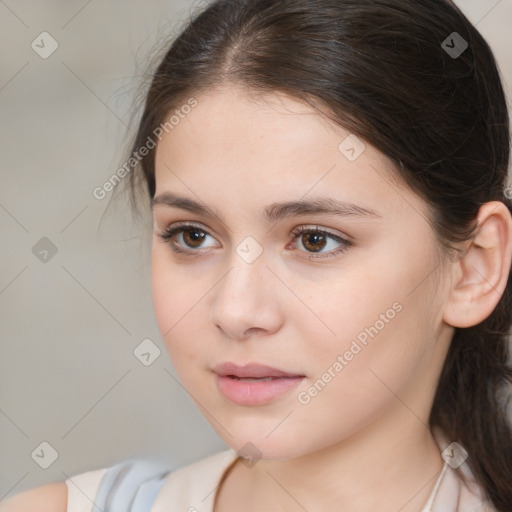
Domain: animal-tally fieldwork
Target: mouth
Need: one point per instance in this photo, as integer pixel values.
(252, 379)
(251, 371)
(254, 384)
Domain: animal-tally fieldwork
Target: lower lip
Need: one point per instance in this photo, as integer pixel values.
(243, 392)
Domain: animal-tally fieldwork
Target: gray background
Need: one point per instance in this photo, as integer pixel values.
(69, 325)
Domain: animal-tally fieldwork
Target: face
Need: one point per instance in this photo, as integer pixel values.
(291, 247)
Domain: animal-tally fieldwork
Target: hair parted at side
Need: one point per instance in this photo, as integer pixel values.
(378, 68)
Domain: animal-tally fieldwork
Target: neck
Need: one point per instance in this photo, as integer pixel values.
(392, 464)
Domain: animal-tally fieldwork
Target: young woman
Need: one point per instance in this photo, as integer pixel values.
(331, 261)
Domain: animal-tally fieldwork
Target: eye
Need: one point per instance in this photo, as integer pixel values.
(315, 240)
(319, 243)
(187, 237)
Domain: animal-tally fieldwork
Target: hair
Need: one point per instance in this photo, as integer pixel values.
(379, 69)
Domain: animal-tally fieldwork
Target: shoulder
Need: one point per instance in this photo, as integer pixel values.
(134, 485)
(457, 489)
(130, 486)
(47, 498)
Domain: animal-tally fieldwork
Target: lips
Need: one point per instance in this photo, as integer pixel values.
(254, 384)
(251, 371)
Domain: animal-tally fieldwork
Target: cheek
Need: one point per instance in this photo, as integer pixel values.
(176, 299)
(377, 326)
(353, 383)
(174, 288)
(347, 306)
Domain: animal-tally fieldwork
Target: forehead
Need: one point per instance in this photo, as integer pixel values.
(239, 130)
(268, 146)
(234, 122)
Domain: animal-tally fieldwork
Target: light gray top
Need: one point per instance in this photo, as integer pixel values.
(143, 486)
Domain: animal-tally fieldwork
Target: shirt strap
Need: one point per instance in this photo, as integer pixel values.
(130, 486)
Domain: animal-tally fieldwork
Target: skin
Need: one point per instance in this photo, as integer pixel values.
(363, 441)
(46, 498)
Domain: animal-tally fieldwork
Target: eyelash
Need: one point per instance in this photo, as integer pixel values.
(168, 233)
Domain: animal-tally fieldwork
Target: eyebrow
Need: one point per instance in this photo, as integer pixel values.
(275, 211)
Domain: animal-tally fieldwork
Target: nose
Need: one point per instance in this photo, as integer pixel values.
(246, 301)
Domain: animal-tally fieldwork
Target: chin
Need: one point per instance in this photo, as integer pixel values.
(255, 443)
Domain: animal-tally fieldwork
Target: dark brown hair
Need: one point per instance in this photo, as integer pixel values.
(380, 69)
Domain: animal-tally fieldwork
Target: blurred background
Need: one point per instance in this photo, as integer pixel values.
(85, 380)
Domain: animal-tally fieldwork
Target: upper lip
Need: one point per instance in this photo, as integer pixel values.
(251, 370)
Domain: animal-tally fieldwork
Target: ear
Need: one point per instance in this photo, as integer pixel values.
(480, 276)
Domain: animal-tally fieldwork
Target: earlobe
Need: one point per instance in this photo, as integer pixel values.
(480, 275)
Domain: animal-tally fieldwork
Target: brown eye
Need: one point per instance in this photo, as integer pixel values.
(313, 241)
(187, 238)
(193, 237)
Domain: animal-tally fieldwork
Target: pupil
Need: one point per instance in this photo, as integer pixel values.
(193, 237)
(311, 241)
